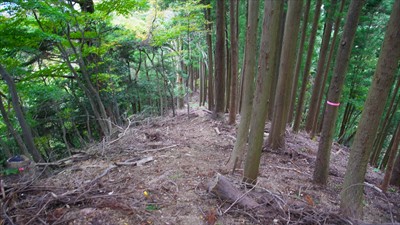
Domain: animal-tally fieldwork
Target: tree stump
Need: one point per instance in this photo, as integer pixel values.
(225, 190)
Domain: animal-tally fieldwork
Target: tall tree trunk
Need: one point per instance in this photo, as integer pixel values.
(269, 43)
(312, 109)
(327, 68)
(392, 156)
(234, 59)
(299, 60)
(382, 132)
(352, 193)
(26, 130)
(395, 179)
(285, 80)
(335, 90)
(5, 150)
(89, 90)
(201, 75)
(228, 79)
(10, 128)
(248, 87)
(220, 62)
(275, 73)
(313, 35)
(210, 73)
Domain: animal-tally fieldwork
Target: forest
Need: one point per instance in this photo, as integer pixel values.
(125, 105)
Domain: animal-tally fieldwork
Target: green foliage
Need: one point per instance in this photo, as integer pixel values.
(9, 171)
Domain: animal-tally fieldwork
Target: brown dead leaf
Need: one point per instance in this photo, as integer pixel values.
(211, 217)
(309, 200)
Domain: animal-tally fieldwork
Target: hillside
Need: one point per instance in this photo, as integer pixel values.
(106, 185)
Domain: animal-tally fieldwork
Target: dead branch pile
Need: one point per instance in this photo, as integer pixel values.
(30, 203)
(264, 207)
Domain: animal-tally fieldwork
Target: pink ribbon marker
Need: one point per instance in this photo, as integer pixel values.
(333, 103)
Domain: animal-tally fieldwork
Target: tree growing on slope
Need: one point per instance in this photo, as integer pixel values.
(248, 87)
(267, 59)
(285, 79)
(321, 169)
(352, 193)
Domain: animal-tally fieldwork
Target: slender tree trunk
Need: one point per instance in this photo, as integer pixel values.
(64, 136)
(285, 80)
(352, 194)
(205, 83)
(299, 60)
(312, 109)
(210, 54)
(395, 179)
(382, 133)
(88, 128)
(10, 128)
(313, 35)
(228, 79)
(26, 130)
(269, 43)
(220, 62)
(234, 59)
(335, 90)
(5, 149)
(392, 156)
(201, 83)
(275, 73)
(327, 69)
(248, 87)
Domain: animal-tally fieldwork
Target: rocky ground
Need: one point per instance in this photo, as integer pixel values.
(158, 170)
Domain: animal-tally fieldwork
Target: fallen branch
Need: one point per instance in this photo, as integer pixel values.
(66, 161)
(244, 194)
(294, 169)
(136, 163)
(123, 134)
(225, 190)
(103, 174)
(158, 149)
(207, 111)
(3, 193)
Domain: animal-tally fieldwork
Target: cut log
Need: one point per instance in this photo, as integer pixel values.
(225, 190)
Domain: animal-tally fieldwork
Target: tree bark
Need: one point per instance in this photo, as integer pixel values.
(266, 63)
(312, 109)
(220, 62)
(395, 179)
(299, 60)
(327, 68)
(10, 128)
(285, 80)
(228, 79)
(248, 87)
(392, 156)
(306, 73)
(335, 89)
(26, 130)
(274, 80)
(352, 195)
(382, 133)
(234, 59)
(210, 74)
(225, 190)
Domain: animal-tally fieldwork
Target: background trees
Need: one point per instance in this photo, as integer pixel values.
(76, 72)
(81, 70)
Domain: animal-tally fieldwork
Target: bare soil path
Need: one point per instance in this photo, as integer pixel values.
(185, 153)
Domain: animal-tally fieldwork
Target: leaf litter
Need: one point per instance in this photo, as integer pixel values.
(157, 173)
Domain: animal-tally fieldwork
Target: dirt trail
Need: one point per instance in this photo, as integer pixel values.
(187, 151)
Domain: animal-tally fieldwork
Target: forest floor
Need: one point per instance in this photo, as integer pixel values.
(107, 185)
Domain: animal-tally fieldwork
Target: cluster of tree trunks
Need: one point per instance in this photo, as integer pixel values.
(280, 62)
